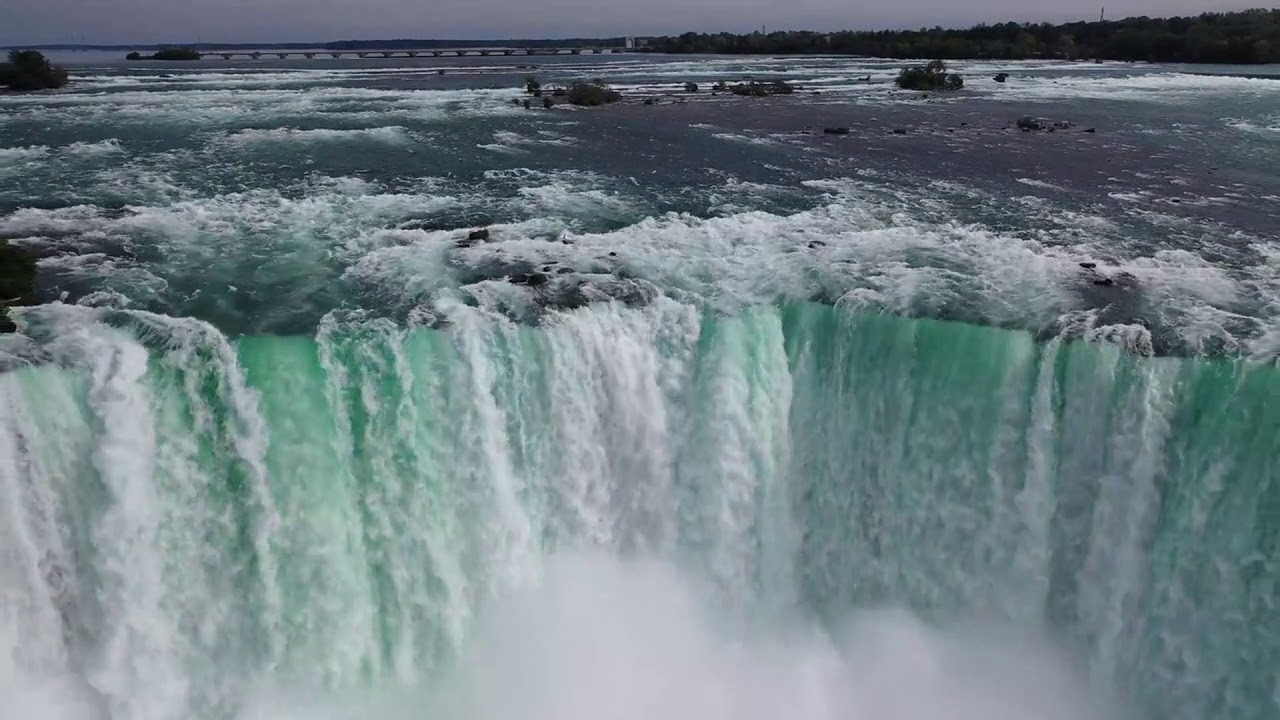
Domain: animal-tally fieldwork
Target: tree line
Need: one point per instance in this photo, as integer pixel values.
(1247, 37)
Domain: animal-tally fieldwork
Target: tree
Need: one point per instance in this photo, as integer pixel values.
(29, 70)
(1251, 36)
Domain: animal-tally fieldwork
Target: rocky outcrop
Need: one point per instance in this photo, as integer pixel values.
(17, 281)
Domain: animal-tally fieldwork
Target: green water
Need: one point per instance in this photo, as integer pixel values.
(333, 512)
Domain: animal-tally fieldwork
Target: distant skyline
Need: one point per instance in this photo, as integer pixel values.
(119, 22)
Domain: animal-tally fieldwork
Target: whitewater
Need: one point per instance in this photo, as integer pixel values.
(960, 426)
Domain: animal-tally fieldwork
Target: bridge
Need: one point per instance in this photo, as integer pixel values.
(405, 53)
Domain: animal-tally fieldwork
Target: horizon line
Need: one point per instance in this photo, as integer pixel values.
(579, 38)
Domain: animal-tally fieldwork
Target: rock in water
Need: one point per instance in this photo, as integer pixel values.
(1028, 123)
(836, 130)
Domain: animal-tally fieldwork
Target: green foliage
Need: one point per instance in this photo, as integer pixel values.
(933, 76)
(176, 54)
(29, 70)
(759, 89)
(592, 94)
(1251, 36)
(135, 55)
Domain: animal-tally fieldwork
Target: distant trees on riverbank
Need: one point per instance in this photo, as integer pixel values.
(1251, 36)
(29, 70)
(166, 54)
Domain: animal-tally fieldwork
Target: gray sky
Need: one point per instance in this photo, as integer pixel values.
(153, 21)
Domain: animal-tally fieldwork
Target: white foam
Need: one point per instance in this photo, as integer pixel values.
(16, 155)
(389, 135)
(1152, 86)
(748, 139)
(96, 149)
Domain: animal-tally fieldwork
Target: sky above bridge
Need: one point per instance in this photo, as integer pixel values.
(266, 21)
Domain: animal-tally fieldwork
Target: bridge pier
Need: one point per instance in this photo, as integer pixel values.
(309, 56)
(256, 55)
(413, 54)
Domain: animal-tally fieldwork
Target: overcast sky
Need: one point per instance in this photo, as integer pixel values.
(154, 21)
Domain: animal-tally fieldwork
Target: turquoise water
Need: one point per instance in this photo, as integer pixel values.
(864, 442)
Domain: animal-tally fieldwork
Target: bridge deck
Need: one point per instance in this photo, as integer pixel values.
(405, 53)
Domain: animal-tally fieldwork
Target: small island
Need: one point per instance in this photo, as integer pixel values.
(29, 70)
(931, 77)
(166, 54)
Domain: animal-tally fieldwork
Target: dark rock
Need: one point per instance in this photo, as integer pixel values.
(440, 72)
(17, 281)
(836, 130)
(1028, 123)
(1063, 124)
(900, 131)
(481, 235)
(527, 104)
(650, 101)
(548, 103)
(535, 279)
(690, 87)
(761, 89)
(1091, 130)
(816, 244)
(1105, 282)
(563, 270)
(1001, 77)
(1089, 265)
(613, 254)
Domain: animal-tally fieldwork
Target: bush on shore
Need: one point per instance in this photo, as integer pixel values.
(29, 70)
(931, 77)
